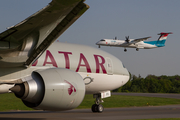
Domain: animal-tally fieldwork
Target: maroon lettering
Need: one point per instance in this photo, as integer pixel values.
(98, 64)
(53, 62)
(100, 61)
(66, 56)
(86, 64)
(35, 63)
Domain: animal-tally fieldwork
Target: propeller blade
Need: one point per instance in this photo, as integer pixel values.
(127, 39)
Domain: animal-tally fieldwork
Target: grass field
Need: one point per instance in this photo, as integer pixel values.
(129, 101)
(10, 102)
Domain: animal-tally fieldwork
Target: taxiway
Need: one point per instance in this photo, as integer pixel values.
(168, 111)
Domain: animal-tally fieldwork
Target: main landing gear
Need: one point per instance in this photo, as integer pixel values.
(97, 107)
(125, 50)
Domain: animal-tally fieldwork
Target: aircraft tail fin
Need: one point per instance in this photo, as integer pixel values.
(162, 39)
(163, 36)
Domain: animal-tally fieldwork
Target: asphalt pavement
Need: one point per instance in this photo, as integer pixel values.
(168, 111)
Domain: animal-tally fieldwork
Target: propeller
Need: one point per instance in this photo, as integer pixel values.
(127, 39)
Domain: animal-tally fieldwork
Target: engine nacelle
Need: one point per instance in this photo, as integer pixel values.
(51, 89)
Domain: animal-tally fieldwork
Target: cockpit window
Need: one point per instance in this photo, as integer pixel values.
(102, 40)
(124, 66)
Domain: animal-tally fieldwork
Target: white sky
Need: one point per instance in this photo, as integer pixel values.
(110, 18)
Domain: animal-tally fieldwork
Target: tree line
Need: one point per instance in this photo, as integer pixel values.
(152, 84)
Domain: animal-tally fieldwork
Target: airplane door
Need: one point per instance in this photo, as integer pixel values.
(109, 66)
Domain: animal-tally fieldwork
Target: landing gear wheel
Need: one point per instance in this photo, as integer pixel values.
(137, 49)
(100, 108)
(125, 50)
(97, 108)
(94, 108)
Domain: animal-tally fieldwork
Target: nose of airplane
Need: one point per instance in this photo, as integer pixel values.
(100, 42)
(126, 75)
(97, 43)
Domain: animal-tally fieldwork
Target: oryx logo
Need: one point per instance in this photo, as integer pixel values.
(71, 89)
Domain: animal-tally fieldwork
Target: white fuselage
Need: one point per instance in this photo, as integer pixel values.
(101, 71)
(123, 43)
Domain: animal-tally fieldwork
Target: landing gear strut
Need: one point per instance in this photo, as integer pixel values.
(97, 107)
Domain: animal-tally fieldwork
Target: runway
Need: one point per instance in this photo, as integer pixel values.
(169, 111)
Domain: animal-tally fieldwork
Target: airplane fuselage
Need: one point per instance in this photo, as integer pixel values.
(100, 71)
(135, 43)
(122, 43)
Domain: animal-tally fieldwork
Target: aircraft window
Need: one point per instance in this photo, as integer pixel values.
(102, 40)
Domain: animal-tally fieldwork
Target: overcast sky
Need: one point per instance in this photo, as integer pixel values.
(120, 18)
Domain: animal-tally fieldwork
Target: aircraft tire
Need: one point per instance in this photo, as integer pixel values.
(97, 108)
(100, 108)
(94, 108)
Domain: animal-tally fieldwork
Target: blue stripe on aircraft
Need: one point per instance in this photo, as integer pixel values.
(159, 43)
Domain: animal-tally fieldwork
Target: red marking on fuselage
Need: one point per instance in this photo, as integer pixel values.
(35, 63)
(71, 89)
(66, 56)
(83, 62)
(53, 62)
(86, 64)
(98, 64)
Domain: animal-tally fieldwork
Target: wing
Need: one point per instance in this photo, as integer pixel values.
(136, 41)
(139, 40)
(23, 43)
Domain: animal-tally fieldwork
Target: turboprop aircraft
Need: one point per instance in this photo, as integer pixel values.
(55, 76)
(135, 43)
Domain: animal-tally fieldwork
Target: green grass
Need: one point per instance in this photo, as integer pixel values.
(9, 102)
(128, 101)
